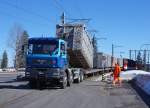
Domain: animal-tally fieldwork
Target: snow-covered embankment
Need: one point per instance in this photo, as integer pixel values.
(141, 79)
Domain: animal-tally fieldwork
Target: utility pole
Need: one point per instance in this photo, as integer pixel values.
(114, 46)
(63, 24)
(135, 54)
(112, 58)
(148, 62)
(63, 19)
(130, 54)
(144, 59)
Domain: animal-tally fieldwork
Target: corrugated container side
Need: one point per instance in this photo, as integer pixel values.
(114, 61)
(87, 48)
(79, 45)
(108, 60)
(99, 60)
(103, 62)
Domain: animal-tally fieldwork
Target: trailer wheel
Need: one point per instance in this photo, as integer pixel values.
(63, 85)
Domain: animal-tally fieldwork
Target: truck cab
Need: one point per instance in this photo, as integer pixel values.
(46, 62)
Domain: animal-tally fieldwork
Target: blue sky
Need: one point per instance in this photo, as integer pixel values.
(122, 22)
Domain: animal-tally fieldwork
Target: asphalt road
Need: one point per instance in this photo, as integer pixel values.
(6, 76)
(88, 94)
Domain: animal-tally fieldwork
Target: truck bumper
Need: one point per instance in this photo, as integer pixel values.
(49, 76)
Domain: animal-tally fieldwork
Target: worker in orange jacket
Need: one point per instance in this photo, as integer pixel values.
(116, 75)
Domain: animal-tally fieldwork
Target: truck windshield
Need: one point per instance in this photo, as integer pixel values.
(39, 48)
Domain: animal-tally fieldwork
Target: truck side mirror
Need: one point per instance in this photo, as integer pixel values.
(61, 53)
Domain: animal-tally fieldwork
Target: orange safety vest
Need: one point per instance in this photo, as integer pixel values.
(117, 71)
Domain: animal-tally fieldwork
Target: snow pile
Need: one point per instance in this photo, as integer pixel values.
(131, 74)
(147, 87)
(143, 81)
(141, 78)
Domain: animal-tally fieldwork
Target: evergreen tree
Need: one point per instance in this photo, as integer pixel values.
(4, 61)
(139, 60)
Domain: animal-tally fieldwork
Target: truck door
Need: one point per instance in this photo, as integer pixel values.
(63, 54)
(62, 50)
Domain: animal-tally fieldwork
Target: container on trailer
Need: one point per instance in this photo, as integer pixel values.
(79, 44)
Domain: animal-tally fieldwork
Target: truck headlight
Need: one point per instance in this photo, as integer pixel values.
(56, 73)
(41, 73)
(53, 62)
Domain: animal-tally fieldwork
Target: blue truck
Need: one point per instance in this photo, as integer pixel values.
(47, 63)
(59, 61)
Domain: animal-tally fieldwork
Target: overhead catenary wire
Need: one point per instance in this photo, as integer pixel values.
(61, 7)
(26, 11)
(78, 8)
(22, 18)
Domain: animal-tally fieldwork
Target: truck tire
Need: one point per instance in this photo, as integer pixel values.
(77, 80)
(32, 83)
(81, 77)
(70, 79)
(40, 85)
(63, 84)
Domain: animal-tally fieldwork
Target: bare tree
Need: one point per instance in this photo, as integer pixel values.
(14, 34)
(15, 43)
(21, 50)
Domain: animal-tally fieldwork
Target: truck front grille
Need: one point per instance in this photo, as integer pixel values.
(40, 62)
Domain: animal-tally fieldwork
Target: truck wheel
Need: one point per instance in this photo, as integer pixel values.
(81, 77)
(63, 85)
(77, 80)
(70, 80)
(32, 84)
(40, 84)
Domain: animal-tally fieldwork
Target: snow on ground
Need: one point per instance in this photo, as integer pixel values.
(99, 78)
(143, 81)
(131, 74)
(141, 78)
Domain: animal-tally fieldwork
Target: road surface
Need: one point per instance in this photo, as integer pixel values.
(88, 94)
(7, 76)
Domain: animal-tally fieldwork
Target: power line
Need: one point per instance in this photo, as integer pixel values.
(60, 7)
(78, 8)
(25, 10)
(85, 21)
(22, 18)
